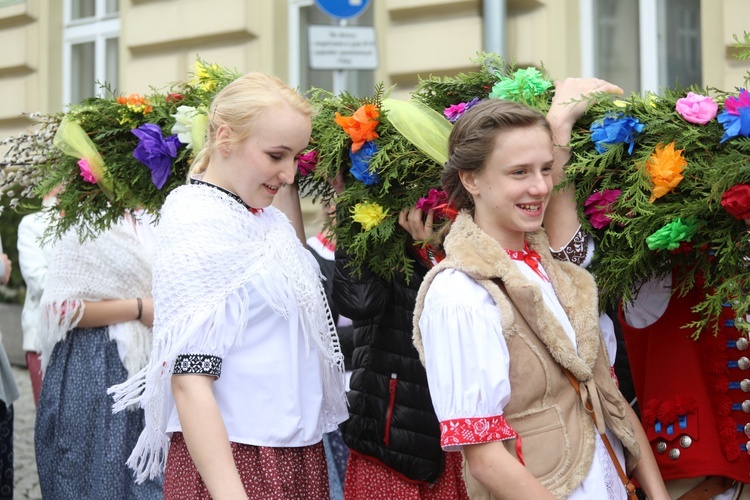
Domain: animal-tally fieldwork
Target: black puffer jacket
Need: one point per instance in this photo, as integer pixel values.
(391, 418)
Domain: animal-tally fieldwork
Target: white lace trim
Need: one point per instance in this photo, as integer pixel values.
(208, 247)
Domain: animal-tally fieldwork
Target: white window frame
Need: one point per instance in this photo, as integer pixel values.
(294, 22)
(98, 29)
(648, 11)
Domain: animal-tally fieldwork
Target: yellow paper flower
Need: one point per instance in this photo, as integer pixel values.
(202, 76)
(624, 104)
(368, 214)
(665, 168)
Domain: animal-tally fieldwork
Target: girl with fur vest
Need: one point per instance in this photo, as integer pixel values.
(518, 372)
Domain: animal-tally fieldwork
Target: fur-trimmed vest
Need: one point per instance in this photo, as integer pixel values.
(557, 435)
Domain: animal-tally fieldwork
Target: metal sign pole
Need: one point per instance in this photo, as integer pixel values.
(340, 80)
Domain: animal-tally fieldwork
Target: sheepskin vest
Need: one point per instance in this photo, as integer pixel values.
(557, 435)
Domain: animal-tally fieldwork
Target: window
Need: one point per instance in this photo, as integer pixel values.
(303, 13)
(90, 48)
(642, 44)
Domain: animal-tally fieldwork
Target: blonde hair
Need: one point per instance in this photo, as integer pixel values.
(241, 105)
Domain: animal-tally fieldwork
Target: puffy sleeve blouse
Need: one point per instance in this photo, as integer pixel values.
(467, 359)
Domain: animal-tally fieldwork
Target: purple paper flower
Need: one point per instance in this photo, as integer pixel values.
(454, 111)
(156, 152)
(598, 206)
(736, 116)
(307, 162)
(616, 129)
(361, 163)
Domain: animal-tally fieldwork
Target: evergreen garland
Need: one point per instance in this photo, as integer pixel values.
(644, 225)
(32, 166)
(404, 173)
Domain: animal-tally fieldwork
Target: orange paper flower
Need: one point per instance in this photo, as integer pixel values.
(136, 102)
(361, 125)
(665, 168)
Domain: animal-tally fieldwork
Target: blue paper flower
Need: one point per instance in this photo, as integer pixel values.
(361, 163)
(736, 116)
(156, 152)
(612, 130)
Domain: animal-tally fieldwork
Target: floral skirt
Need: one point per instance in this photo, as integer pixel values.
(369, 480)
(337, 454)
(267, 473)
(81, 446)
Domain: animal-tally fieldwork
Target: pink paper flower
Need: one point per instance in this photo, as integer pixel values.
(437, 200)
(86, 173)
(307, 162)
(598, 206)
(434, 197)
(696, 108)
(454, 111)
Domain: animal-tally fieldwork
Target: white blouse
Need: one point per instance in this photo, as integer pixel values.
(269, 390)
(468, 368)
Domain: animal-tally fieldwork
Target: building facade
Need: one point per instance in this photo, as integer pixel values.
(57, 52)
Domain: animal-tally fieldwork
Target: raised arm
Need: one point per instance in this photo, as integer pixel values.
(568, 105)
(287, 200)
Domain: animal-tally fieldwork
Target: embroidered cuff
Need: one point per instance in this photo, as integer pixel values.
(200, 364)
(462, 431)
(576, 249)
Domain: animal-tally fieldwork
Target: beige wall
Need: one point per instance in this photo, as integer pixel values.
(29, 70)
(735, 20)
(160, 40)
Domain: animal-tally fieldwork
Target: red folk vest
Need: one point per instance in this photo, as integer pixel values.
(694, 396)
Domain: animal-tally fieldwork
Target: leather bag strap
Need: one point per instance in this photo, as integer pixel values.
(712, 486)
(629, 487)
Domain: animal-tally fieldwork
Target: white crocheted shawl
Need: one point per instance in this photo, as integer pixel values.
(113, 265)
(209, 246)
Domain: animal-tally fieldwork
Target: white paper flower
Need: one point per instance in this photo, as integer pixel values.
(189, 126)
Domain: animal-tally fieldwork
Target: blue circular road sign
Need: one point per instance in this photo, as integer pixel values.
(342, 9)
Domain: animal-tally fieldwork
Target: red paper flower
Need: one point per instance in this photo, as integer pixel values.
(736, 201)
(174, 97)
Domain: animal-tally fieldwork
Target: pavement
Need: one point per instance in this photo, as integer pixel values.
(26, 479)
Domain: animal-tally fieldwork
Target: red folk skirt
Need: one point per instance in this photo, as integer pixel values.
(267, 473)
(369, 480)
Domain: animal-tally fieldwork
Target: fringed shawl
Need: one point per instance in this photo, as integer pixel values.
(113, 265)
(209, 246)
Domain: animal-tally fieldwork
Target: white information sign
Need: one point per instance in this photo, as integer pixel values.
(342, 47)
